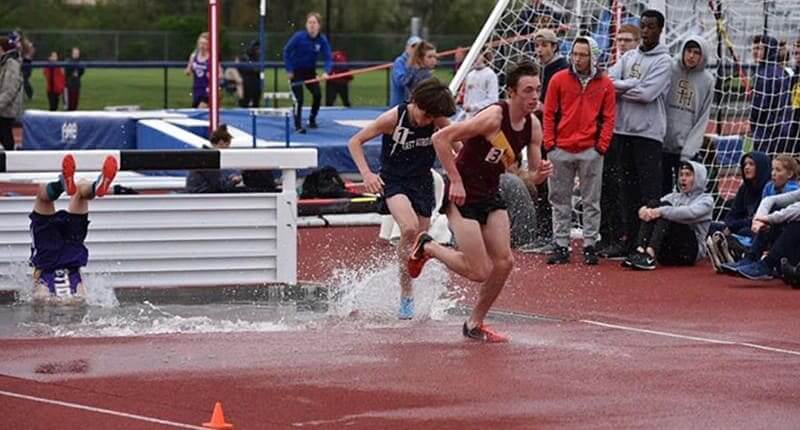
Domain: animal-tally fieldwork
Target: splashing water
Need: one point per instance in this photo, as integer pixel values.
(370, 292)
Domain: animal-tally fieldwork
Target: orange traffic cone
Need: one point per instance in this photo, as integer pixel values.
(218, 419)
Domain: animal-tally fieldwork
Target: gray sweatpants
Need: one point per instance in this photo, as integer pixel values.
(521, 210)
(588, 165)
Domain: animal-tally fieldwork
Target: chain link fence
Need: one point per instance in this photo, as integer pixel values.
(105, 45)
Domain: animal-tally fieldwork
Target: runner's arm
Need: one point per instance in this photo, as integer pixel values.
(442, 122)
(486, 123)
(384, 124)
(538, 170)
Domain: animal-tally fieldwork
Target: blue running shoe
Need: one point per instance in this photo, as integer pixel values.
(757, 271)
(406, 308)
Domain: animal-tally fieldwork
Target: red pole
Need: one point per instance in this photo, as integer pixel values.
(213, 85)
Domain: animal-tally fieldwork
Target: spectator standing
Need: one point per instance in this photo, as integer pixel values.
(612, 224)
(480, 86)
(398, 92)
(627, 38)
(578, 125)
(641, 79)
(55, 79)
(338, 86)
(552, 62)
(28, 50)
(420, 65)
(770, 91)
(11, 92)
(251, 77)
(74, 72)
(688, 107)
(198, 69)
(300, 56)
(793, 133)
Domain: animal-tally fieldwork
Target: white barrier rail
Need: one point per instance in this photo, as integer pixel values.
(172, 239)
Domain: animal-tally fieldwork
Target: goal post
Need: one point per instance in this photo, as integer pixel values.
(756, 102)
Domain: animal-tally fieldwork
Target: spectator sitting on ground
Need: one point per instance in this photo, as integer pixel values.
(673, 229)
(784, 174)
(215, 180)
(398, 93)
(755, 172)
(777, 222)
(420, 65)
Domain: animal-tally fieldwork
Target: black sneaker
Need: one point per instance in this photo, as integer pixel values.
(312, 123)
(300, 130)
(590, 256)
(643, 261)
(560, 255)
(627, 262)
(614, 251)
(791, 274)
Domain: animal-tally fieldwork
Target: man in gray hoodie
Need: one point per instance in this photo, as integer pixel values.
(641, 79)
(688, 106)
(674, 228)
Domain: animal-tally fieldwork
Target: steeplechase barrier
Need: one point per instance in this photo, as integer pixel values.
(170, 240)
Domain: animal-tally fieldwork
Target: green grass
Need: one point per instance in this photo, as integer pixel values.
(145, 88)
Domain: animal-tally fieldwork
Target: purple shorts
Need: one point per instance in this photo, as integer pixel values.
(58, 241)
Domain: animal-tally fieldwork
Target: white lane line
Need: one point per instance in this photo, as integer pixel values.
(101, 411)
(694, 338)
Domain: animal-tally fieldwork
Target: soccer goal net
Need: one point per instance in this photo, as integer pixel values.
(757, 97)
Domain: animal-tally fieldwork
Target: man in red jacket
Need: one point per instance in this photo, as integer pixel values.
(579, 113)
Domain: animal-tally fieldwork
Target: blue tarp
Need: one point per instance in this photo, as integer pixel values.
(118, 130)
(95, 130)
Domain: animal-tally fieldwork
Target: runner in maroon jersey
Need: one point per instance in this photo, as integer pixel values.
(493, 143)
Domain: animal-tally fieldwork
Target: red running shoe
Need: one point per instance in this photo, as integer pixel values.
(484, 333)
(68, 174)
(418, 255)
(103, 182)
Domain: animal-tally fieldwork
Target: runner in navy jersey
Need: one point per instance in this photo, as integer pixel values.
(407, 156)
(493, 143)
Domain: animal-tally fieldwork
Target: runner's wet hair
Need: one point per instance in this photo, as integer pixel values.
(517, 71)
(434, 98)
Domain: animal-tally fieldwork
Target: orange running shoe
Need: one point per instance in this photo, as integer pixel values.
(68, 174)
(418, 255)
(484, 333)
(103, 182)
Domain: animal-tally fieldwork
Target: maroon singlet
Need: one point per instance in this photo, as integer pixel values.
(481, 162)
